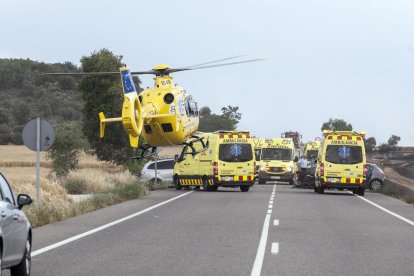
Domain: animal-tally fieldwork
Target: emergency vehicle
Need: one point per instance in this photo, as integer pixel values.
(311, 150)
(227, 162)
(341, 162)
(276, 159)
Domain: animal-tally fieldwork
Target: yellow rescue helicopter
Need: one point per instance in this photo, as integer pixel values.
(165, 114)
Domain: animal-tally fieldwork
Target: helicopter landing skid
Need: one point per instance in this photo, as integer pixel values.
(191, 145)
(144, 154)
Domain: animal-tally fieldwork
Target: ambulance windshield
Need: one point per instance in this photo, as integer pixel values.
(311, 153)
(235, 152)
(277, 154)
(340, 154)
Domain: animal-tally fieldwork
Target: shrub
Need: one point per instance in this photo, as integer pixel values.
(75, 186)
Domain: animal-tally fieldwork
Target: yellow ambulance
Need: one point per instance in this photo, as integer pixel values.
(228, 162)
(341, 162)
(311, 150)
(276, 159)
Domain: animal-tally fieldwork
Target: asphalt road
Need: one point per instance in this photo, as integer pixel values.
(228, 232)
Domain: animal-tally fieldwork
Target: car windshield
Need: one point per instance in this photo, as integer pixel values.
(276, 154)
(235, 152)
(339, 154)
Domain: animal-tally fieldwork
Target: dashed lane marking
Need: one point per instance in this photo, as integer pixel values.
(275, 248)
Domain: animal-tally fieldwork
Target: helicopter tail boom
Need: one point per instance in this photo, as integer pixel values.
(102, 122)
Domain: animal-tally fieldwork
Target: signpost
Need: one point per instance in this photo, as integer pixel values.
(38, 135)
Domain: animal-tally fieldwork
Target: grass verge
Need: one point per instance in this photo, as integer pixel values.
(47, 212)
(398, 191)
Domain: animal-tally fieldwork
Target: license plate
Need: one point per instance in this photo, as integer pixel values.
(227, 178)
(275, 177)
(332, 180)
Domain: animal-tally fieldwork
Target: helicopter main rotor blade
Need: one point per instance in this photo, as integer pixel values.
(212, 66)
(210, 62)
(83, 74)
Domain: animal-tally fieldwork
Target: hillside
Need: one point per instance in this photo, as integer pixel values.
(26, 94)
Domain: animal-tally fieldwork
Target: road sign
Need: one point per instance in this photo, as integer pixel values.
(38, 135)
(47, 135)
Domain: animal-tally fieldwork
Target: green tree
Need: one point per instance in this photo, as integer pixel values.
(65, 151)
(394, 140)
(370, 144)
(226, 121)
(215, 122)
(205, 111)
(336, 124)
(232, 113)
(104, 94)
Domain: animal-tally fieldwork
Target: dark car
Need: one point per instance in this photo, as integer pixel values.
(375, 178)
(15, 231)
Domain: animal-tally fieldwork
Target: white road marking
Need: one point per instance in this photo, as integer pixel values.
(258, 262)
(269, 211)
(276, 222)
(386, 210)
(77, 237)
(270, 206)
(271, 202)
(275, 248)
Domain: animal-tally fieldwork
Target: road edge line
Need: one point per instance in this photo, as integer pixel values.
(386, 210)
(100, 228)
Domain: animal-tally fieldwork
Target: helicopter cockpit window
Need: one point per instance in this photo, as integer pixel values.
(191, 107)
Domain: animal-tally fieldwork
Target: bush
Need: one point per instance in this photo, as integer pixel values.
(75, 186)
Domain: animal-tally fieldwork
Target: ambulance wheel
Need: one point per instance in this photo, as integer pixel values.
(214, 188)
(321, 189)
(244, 188)
(177, 184)
(355, 191)
(361, 191)
(315, 189)
(261, 181)
(206, 185)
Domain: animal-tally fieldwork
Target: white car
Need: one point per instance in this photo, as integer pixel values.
(165, 168)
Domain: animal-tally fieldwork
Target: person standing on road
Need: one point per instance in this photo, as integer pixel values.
(303, 165)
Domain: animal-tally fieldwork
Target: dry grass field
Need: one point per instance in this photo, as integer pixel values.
(18, 165)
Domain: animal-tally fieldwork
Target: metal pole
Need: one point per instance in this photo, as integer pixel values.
(155, 167)
(38, 160)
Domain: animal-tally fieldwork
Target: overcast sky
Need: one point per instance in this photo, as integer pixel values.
(349, 59)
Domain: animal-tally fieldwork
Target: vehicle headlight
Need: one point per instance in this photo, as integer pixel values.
(262, 169)
(289, 169)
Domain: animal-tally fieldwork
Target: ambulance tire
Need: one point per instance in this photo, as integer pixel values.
(214, 188)
(355, 191)
(177, 184)
(321, 189)
(315, 189)
(361, 191)
(206, 185)
(244, 188)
